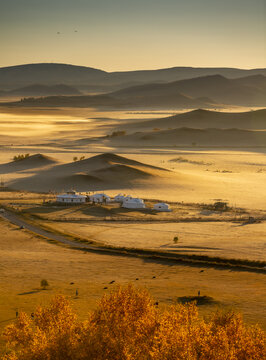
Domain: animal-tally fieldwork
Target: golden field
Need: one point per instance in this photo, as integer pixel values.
(198, 176)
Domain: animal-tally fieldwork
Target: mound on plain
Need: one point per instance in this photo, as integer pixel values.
(105, 171)
(106, 159)
(30, 162)
(124, 172)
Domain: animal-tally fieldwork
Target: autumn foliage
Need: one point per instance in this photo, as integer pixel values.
(127, 326)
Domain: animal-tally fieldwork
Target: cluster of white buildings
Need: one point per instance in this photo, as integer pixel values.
(126, 201)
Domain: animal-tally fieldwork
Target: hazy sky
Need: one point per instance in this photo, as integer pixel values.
(134, 34)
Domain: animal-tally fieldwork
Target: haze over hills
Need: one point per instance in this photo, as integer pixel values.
(248, 91)
(43, 90)
(210, 137)
(202, 119)
(99, 101)
(202, 92)
(79, 76)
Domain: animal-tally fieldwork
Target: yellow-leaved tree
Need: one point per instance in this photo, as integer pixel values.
(127, 326)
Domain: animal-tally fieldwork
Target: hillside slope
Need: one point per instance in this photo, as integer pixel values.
(105, 171)
(54, 73)
(202, 119)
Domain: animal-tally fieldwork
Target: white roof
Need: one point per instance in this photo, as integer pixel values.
(134, 200)
(122, 196)
(100, 195)
(71, 196)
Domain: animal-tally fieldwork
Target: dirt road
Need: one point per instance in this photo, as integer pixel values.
(180, 258)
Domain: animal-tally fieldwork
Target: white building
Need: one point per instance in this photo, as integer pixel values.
(162, 207)
(133, 203)
(71, 197)
(120, 198)
(100, 198)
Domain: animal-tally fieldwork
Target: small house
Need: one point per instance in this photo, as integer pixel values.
(71, 197)
(133, 203)
(100, 198)
(120, 198)
(162, 207)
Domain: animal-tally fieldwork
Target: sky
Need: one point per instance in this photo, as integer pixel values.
(118, 35)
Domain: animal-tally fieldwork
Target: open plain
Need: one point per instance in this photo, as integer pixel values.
(190, 177)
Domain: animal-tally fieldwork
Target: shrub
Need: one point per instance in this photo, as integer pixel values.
(220, 206)
(20, 157)
(126, 326)
(75, 158)
(118, 133)
(175, 240)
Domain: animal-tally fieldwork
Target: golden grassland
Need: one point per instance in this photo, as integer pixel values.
(200, 229)
(27, 259)
(198, 175)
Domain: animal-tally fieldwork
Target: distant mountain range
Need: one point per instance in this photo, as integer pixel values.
(247, 91)
(203, 92)
(94, 79)
(207, 91)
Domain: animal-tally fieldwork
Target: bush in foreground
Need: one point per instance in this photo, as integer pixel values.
(127, 326)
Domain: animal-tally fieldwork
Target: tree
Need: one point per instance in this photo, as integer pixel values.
(44, 284)
(127, 325)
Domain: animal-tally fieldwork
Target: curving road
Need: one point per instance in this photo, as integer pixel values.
(180, 258)
(14, 219)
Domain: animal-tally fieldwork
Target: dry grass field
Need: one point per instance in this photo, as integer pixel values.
(194, 176)
(27, 259)
(222, 239)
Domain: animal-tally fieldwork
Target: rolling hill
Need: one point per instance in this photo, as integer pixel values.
(208, 91)
(12, 77)
(53, 73)
(105, 171)
(176, 101)
(249, 91)
(28, 163)
(202, 119)
(210, 137)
